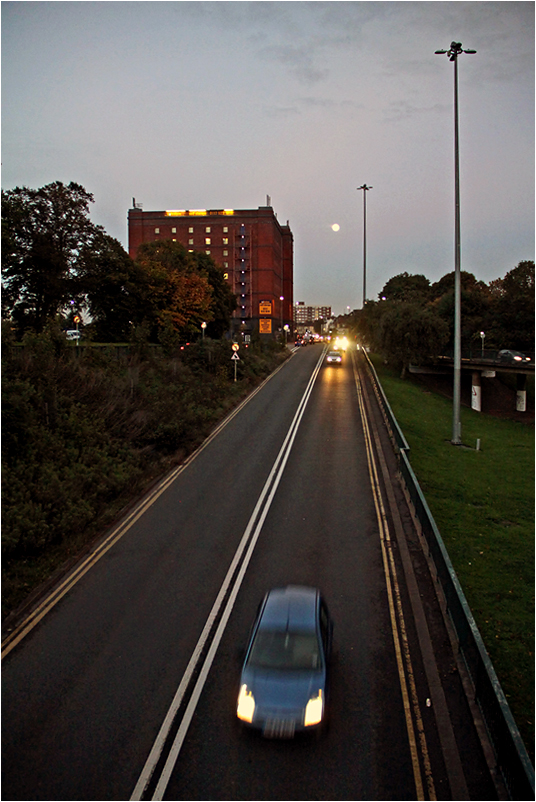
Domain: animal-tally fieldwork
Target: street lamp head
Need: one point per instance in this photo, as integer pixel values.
(454, 52)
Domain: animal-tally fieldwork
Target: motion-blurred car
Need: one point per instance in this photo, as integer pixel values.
(513, 357)
(334, 358)
(284, 681)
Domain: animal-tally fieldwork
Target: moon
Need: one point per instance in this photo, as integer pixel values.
(335, 227)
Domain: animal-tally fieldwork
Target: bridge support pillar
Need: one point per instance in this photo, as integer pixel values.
(476, 392)
(521, 398)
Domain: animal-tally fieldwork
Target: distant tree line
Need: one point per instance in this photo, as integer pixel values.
(413, 320)
(57, 264)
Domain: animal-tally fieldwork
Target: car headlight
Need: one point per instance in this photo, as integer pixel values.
(246, 704)
(314, 710)
(518, 358)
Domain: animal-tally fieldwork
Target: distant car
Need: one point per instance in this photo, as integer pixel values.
(512, 357)
(284, 680)
(334, 357)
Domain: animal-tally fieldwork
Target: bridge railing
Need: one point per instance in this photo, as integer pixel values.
(511, 756)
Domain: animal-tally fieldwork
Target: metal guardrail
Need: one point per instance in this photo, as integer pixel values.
(511, 755)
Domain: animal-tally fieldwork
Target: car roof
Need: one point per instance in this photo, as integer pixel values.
(292, 608)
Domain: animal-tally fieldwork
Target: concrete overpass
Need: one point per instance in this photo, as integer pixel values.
(484, 365)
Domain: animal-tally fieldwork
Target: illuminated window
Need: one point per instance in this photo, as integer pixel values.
(225, 241)
(226, 264)
(208, 252)
(190, 242)
(207, 229)
(173, 230)
(190, 230)
(157, 231)
(226, 253)
(226, 275)
(174, 239)
(207, 240)
(225, 229)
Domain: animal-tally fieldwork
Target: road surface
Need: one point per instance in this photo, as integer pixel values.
(123, 683)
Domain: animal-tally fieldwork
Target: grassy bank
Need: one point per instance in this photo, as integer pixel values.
(86, 431)
(483, 504)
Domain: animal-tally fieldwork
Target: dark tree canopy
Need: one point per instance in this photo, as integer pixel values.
(406, 287)
(47, 236)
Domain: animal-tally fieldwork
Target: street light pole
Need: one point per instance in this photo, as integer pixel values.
(365, 190)
(453, 53)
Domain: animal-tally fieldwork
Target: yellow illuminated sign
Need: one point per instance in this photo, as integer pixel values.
(265, 307)
(265, 326)
(197, 212)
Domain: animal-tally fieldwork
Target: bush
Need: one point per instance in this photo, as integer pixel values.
(86, 428)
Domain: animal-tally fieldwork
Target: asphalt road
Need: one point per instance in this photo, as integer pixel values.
(86, 691)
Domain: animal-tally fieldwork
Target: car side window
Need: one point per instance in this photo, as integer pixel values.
(324, 625)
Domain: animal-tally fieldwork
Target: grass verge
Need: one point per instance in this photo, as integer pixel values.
(483, 504)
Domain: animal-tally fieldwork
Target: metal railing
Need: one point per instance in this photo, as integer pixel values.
(512, 760)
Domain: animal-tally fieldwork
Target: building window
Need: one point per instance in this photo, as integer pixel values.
(207, 252)
(207, 240)
(225, 241)
(191, 230)
(226, 253)
(207, 229)
(190, 242)
(226, 264)
(173, 230)
(225, 275)
(157, 231)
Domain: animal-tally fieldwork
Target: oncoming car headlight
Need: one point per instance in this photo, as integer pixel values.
(314, 710)
(246, 705)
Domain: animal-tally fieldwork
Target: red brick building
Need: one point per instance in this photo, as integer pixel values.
(254, 250)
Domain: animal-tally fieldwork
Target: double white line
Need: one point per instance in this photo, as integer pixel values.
(232, 582)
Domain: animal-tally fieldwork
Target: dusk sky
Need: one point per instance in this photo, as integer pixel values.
(189, 105)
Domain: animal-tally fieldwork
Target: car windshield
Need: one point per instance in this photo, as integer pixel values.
(285, 650)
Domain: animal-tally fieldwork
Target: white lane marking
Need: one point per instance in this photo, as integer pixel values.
(269, 490)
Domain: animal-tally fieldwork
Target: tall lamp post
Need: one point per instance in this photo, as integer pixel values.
(453, 53)
(365, 190)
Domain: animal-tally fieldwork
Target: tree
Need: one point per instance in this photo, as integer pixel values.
(115, 289)
(411, 334)
(475, 307)
(46, 236)
(513, 308)
(404, 287)
(223, 301)
(176, 295)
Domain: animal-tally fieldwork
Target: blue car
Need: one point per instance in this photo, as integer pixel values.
(284, 681)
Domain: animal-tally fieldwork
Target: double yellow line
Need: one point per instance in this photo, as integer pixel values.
(398, 625)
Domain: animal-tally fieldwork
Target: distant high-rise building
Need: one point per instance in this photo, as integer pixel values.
(308, 314)
(254, 250)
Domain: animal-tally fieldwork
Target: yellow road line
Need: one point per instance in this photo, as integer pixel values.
(397, 618)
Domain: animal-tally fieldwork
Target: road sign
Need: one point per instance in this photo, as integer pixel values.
(235, 346)
(235, 356)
